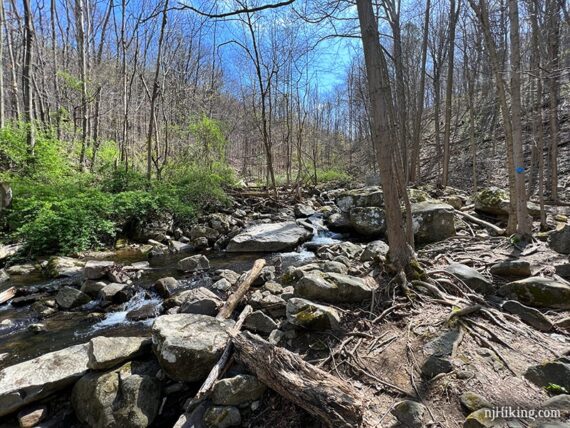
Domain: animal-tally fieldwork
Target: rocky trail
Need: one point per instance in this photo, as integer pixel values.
(283, 314)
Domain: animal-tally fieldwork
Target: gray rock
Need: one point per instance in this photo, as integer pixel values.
(374, 250)
(531, 316)
(188, 345)
(155, 227)
(4, 276)
(149, 310)
(202, 231)
(368, 221)
(471, 277)
(556, 373)
(106, 352)
(31, 417)
(125, 397)
(40, 377)
(495, 201)
(258, 322)
(200, 243)
(334, 287)
(237, 390)
(273, 287)
(165, 287)
(270, 237)
(222, 417)
(69, 297)
(439, 350)
(560, 240)
(113, 292)
(92, 288)
(97, 269)
(302, 210)
(538, 292)
(339, 222)
(180, 247)
(7, 251)
(561, 402)
(222, 285)
(409, 413)
(564, 323)
(364, 197)
(229, 275)
(511, 268)
(481, 418)
(306, 314)
(269, 303)
(432, 222)
(200, 301)
(64, 266)
(473, 401)
(563, 270)
(20, 270)
(194, 263)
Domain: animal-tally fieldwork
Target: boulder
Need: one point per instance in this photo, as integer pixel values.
(368, 221)
(482, 418)
(339, 222)
(97, 269)
(149, 310)
(306, 314)
(179, 247)
(4, 277)
(222, 417)
(559, 240)
(270, 237)
(69, 298)
(374, 250)
(409, 413)
(64, 266)
(258, 322)
(511, 268)
(556, 373)
(188, 345)
(194, 263)
(20, 270)
(200, 301)
(7, 251)
(471, 277)
(127, 397)
(365, 197)
(531, 316)
(302, 210)
(495, 201)
(165, 287)
(561, 402)
(432, 222)
(538, 292)
(563, 270)
(334, 287)
(92, 288)
(114, 292)
(237, 390)
(107, 352)
(222, 285)
(40, 377)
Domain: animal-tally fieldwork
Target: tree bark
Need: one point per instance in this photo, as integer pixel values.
(27, 82)
(335, 402)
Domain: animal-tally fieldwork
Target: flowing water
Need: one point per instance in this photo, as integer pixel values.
(63, 329)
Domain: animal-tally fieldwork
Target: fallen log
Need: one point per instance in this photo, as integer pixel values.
(220, 366)
(7, 295)
(499, 231)
(335, 402)
(230, 305)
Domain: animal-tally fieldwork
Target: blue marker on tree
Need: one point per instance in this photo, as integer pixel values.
(519, 170)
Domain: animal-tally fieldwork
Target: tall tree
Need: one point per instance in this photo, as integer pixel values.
(27, 83)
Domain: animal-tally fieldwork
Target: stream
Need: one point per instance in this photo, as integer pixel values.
(66, 328)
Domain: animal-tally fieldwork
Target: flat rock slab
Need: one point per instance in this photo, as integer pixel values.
(107, 352)
(188, 345)
(35, 379)
(538, 292)
(269, 237)
(334, 287)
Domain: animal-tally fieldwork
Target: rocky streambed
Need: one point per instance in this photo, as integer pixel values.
(126, 338)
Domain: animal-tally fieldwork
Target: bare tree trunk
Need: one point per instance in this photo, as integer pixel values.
(2, 98)
(82, 47)
(383, 134)
(415, 167)
(27, 82)
(523, 224)
(449, 92)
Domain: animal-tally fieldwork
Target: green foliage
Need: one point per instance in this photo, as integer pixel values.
(329, 176)
(554, 389)
(211, 142)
